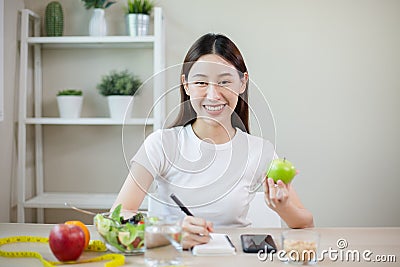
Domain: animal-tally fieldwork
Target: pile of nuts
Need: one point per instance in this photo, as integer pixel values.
(300, 251)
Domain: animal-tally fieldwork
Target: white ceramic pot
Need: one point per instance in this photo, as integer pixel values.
(120, 106)
(137, 24)
(69, 106)
(98, 25)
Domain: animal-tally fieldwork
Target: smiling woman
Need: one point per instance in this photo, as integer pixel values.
(207, 157)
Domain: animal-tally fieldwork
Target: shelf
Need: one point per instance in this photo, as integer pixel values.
(80, 200)
(32, 86)
(89, 121)
(93, 41)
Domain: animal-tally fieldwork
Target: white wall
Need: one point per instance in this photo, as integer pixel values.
(1, 59)
(329, 70)
(7, 129)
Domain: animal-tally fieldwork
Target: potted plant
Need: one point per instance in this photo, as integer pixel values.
(70, 103)
(98, 25)
(119, 87)
(54, 19)
(138, 17)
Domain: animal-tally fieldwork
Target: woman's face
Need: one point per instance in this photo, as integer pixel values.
(213, 86)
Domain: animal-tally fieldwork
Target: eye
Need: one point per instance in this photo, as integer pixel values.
(224, 83)
(201, 83)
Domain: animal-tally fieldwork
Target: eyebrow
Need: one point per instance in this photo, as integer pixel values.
(205, 76)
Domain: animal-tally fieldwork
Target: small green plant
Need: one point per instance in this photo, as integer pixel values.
(139, 7)
(69, 92)
(119, 83)
(98, 3)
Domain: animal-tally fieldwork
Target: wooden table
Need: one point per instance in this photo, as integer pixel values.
(380, 241)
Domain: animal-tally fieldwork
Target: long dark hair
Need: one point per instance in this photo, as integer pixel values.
(222, 46)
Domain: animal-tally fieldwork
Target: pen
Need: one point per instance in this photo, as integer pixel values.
(180, 204)
(183, 207)
(230, 242)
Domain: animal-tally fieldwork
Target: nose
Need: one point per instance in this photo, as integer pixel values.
(213, 92)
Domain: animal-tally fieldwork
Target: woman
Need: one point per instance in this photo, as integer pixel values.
(208, 158)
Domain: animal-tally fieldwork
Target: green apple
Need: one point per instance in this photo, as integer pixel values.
(281, 169)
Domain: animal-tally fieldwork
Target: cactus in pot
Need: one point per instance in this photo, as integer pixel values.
(54, 19)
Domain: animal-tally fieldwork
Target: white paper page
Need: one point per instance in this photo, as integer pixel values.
(219, 244)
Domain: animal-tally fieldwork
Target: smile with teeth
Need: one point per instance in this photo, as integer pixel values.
(214, 108)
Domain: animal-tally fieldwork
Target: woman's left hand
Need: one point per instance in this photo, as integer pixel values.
(277, 195)
(283, 199)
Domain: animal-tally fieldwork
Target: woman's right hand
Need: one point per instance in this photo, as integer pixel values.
(195, 231)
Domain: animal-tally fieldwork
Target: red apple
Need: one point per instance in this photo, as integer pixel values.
(67, 242)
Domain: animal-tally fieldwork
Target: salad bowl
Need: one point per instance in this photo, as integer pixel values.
(121, 235)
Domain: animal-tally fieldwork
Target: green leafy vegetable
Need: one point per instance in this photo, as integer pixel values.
(124, 235)
(115, 215)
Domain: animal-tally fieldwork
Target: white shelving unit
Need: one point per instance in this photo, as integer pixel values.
(31, 21)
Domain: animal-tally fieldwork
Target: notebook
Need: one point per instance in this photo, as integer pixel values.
(220, 244)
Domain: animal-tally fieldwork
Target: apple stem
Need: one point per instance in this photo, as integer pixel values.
(284, 159)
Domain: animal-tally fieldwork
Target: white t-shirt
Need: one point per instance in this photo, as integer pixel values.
(215, 181)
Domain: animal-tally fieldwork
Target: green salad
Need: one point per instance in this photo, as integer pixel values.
(126, 235)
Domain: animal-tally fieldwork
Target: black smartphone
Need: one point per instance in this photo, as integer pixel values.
(253, 243)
